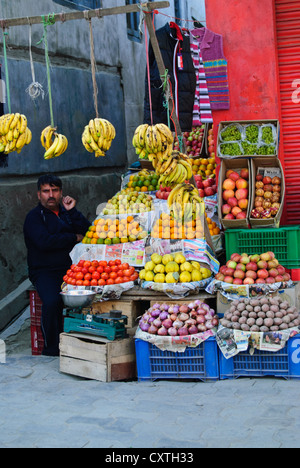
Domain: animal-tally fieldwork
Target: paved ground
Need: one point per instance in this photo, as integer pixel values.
(42, 408)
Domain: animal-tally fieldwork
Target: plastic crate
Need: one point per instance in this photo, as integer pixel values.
(284, 363)
(284, 242)
(200, 363)
(37, 340)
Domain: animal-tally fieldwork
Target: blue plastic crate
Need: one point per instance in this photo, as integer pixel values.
(284, 363)
(200, 363)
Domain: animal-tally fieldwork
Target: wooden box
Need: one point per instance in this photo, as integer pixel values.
(129, 308)
(97, 358)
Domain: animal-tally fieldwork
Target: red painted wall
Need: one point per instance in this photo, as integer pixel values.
(250, 47)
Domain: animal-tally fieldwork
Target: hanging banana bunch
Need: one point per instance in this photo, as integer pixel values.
(14, 133)
(98, 136)
(54, 143)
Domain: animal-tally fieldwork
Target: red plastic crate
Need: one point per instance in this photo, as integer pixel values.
(37, 340)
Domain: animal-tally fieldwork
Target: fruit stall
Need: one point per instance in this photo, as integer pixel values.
(183, 274)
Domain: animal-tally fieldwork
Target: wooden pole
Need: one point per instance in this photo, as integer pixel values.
(77, 15)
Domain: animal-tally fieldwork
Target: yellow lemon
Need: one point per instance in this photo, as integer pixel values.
(167, 258)
(172, 278)
(172, 267)
(185, 277)
(196, 275)
(159, 268)
(196, 265)
(142, 274)
(179, 258)
(149, 276)
(150, 266)
(156, 258)
(186, 266)
(159, 278)
(206, 273)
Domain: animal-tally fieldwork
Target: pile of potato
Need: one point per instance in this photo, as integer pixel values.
(263, 314)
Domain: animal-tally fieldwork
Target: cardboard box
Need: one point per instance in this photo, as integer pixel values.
(243, 124)
(292, 295)
(97, 358)
(266, 163)
(235, 165)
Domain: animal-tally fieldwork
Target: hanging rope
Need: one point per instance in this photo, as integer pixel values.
(48, 22)
(6, 71)
(35, 89)
(148, 74)
(93, 64)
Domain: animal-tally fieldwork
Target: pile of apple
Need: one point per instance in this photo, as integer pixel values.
(206, 187)
(163, 192)
(193, 141)
(267, 197)
(235, 194)
(253, 269)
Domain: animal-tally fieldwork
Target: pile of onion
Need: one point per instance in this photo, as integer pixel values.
(179, 320)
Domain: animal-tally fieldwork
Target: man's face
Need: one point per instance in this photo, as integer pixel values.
(50, 196)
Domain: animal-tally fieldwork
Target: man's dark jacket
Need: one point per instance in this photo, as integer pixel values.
(49, 238)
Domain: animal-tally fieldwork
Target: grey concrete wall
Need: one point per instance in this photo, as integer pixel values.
(120, 79)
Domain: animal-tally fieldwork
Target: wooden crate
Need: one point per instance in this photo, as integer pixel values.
(129, 308)
(97, 358)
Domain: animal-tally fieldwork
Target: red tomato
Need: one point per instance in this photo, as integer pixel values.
(66, 278)
(92, 269)
(72, 267)
(127, 272)
(134, 277)
(104, 276)
(103, 263)
(68, 272)
(95, 263)
(79, 282)
(81, 262)
(119, 280)
(132, 270)
(111, 263)
(73, 281)
(77, 269)
(113, 275)
(118, 261)
(101, 282)
(84, 270)
(79, 276)
(114, 268)
(125, 266)
(86, 283)
(94, 282)
(87, 264)
(100, 269)
(88, 276)
(126, 279)
(107, 269)
(96, 275)
(110, 281)
(120, 272)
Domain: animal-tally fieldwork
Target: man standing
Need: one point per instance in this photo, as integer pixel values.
(51, 230)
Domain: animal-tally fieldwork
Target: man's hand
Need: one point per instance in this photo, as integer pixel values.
(68, 202)
(79, 237)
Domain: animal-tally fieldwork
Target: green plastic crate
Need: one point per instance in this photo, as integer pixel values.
(284, 242)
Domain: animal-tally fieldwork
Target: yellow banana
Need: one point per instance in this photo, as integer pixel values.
(98, 127)
(162, 128)
(170, 168)
(166, 164)
(49, 137)
(142, 134)
(50, 152)
(99, 153)
(28, 134)
(173, 194)
(106, 129)
(10, 135)
(14, 121)
(20, 142)
(93, 130)
(86, 145)
(149, 140)
(135, 139)
(23, 121)
(8, 121)
(188, 168)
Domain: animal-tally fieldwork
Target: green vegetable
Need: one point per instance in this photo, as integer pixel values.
(231, 133)
(231, 149)
(267, 135)
(252, 133)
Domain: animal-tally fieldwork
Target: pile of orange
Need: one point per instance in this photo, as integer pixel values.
(114, 231)
(168, 228)
(212, 226)
(144, 181)
(203, 166)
